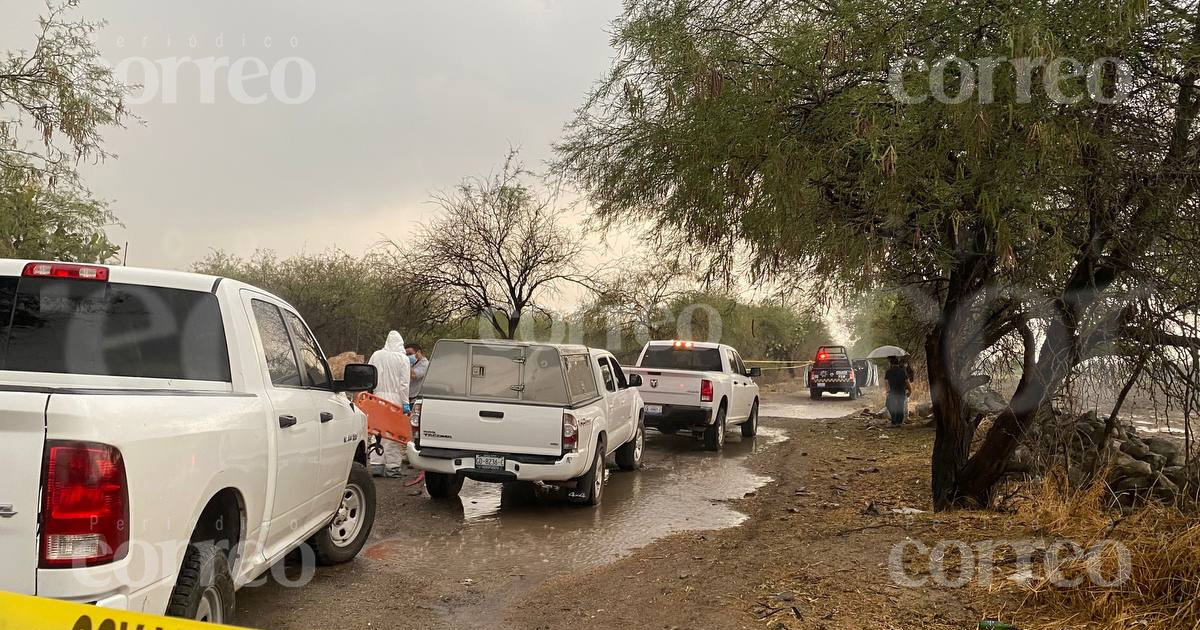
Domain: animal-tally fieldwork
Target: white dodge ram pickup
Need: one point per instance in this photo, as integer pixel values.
(166, 437)
(502, 411)
(697, 386)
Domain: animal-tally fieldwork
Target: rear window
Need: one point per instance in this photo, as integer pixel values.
(832, 356)
(59, 326)
(483, 371)
(672, 358)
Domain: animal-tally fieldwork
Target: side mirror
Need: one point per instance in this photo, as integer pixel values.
(635, 380)
(754, 372)
(359, 377)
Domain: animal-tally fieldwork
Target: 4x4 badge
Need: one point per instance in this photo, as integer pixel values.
(7, 511)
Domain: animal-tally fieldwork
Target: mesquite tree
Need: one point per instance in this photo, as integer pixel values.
(497, 247)
(56, 97)
(1019, 170)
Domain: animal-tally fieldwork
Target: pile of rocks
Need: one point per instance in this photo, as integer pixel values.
(1135, 467)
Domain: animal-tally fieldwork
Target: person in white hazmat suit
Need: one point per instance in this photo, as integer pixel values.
(394, 371)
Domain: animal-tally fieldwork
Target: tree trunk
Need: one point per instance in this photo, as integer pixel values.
(952, 442)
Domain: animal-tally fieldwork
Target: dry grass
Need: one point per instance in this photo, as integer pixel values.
(1162, 587)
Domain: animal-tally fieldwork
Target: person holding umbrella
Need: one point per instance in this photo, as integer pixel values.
(899, 388)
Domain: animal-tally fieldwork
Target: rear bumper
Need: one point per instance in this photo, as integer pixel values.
(678, 416)
(151, 599)
(517, 467)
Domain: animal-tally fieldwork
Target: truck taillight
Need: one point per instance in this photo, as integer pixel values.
(414, 419)
(64, 270)
(706, 391)
(85, 511)
(570, 433)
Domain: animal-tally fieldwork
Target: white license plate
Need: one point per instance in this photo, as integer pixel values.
(489, 462)
(820, 384)
(654, 409)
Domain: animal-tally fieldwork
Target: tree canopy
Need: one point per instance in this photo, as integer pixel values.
(55, 100)
(1024, 168)
(497, 247)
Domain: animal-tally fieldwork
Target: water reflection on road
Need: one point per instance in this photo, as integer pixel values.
(679, 487)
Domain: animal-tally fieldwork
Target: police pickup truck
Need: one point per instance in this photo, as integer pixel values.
(832, 371)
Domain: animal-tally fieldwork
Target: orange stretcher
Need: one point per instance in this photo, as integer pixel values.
(384, 419)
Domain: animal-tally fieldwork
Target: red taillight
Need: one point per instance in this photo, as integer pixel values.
(570, 433)
(64, 270)
(706, 391)
(414, 419)
(85, 513)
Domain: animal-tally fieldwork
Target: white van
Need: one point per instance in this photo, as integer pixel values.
(503, 411)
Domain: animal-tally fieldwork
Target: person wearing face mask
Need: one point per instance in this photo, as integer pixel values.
(420, 367)
(394, 369)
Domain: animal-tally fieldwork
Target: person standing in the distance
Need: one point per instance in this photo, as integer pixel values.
(899, 387)
(394, 372)
(420, 367)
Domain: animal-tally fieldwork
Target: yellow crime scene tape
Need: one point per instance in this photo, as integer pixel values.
(780, 365)
(23, 612)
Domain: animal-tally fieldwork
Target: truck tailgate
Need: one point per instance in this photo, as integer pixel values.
(22, 439)
(668, 387)
(491, 427)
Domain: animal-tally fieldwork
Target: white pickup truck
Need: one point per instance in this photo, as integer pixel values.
(166, 437)
(501, 411)
(697, 386)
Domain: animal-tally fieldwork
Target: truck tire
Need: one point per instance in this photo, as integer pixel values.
(590, 487)
(204, 588)
(442, 486)
(346, 534)
(814, 393)
(750, 426)
(629, 456)
(714, 435)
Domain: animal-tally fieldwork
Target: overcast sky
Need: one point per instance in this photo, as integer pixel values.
(399, 98)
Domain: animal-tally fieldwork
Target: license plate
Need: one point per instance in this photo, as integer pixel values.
(654, 409)
(489, 462)
(820, 384)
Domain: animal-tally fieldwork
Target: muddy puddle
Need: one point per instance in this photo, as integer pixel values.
(524, 534)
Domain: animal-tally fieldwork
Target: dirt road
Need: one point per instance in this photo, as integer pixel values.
(770, 532)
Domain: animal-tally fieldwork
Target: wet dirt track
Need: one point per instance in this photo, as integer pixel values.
(463, 563)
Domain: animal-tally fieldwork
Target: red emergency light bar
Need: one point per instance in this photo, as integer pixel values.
(66, 270)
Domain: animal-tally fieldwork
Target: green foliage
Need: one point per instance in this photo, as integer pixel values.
(51, 225)
(889, 319)
(765, 330)
(351, 303)
(54, 101)
(770, 124)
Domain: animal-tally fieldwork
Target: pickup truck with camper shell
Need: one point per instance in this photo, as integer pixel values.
(832, 371)
(167, 437)
(699, 387)
(505, 412)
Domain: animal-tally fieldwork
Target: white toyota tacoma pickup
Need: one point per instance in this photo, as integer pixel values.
(697, 386)
(500, 411)
(166, 437)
